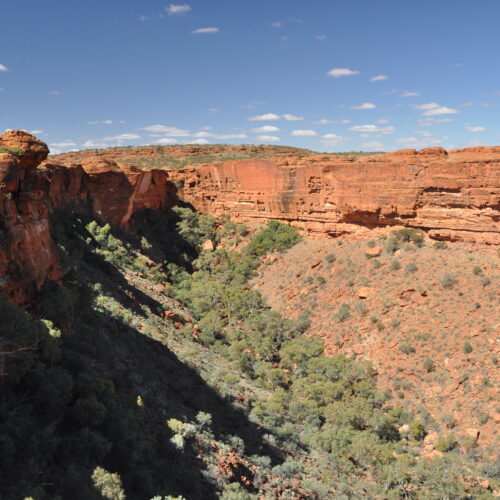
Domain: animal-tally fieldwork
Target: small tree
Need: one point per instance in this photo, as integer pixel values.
(108, 483)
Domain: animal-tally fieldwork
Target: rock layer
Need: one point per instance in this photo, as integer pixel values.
(453, 196)
(30, 193)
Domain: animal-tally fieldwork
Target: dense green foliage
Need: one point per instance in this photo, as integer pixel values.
(104, 399)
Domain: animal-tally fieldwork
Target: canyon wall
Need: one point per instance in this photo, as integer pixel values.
(31, 189)
(453, 196)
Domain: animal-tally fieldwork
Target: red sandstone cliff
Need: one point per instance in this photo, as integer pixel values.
(30, 191)
(453, 196)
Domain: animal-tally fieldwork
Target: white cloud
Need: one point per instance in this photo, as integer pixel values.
(265, 129)
(277, 24)
(214, 110)
(332, 140)
(325, 121)
(338, 72)
(268, 138)
(173, 9)
(3, 68)
(373, 146)
(252, 104)
(36, 132)
(417, 142)
(265, 117)
(467, 104)
(382, 120)
(101, 122)
(471, 128)
(95, 144)
(198, 141)
(320, 37)
(378, 78)
(163, 129)
(427, 122)
(121, 137)
(435, 109)
(63, 145)
(409, 94)
(167, 140)
(220, 136)
(144, 18)
(206, 31)
(304, 133)
(364, 105)
(291, 118)
(54, 92)
(363, 129)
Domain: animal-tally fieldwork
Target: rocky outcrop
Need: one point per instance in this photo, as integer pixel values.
(454, 196)
(30, 193)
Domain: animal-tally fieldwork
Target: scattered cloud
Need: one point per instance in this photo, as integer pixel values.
(264, 117)
(63, 145)
(164, 129)
(427, 122)
(252, 104)
(373, 146)
(378, 78)
(198, 141)
(36, 132)
(101, 122)
(206, 31)
(94, 144)
(277, 24)
(144, 18)
(435, 109)
(268, 138)
(121, 137)
(409, 94)
(220, 136)
(467, 104)
(291, 118)
(214, 110)
(265, 129)
(339, 72)
(364, 105)
(304, 133)
(331, 140)
(419, 142)
(3, 68)
(363, 129)
(325, 121)
(320, 37)
(54, 92)
(173, 9)
(167, 140)
(382, 120)
(471, 128)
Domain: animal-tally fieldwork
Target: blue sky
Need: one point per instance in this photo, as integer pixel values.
(329, 75)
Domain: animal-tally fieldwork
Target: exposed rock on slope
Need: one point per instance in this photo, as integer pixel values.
(453, 196)
(29, 193)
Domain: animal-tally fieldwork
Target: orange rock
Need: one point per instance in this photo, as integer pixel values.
(208, 246)
(365, 292)
(373, 252)
(32, 151)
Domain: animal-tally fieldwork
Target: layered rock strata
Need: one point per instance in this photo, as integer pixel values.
(32, 189)
(453, 196)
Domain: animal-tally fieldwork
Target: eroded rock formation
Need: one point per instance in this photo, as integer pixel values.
(30, 192)
(453, 196)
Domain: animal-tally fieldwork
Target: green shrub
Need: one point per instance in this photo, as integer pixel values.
(418, 430)
(275, 236)
(448, 281)
(344, 313)
(447, 443)
(395, 265)
(330, 258)
(440, 245)
(477, 271)
(411, 268)
(406, 348)
(429, 365)
(467, 348)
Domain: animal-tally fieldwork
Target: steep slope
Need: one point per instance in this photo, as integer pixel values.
(426, 316)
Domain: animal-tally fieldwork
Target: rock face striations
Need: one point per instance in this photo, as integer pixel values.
(453, 196)
(32, 189)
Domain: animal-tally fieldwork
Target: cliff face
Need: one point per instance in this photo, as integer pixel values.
(453, 196)
(30, 191)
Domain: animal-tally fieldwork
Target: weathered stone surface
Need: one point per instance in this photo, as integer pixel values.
(34, 151)
(29, 196)
(453, 196)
